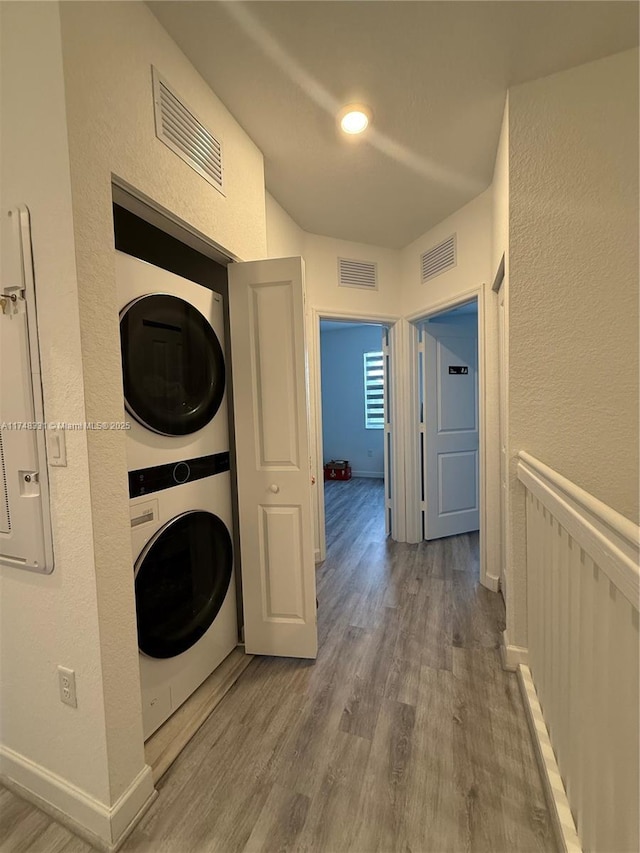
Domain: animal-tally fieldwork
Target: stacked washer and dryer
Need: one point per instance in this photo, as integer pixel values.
(172, 340)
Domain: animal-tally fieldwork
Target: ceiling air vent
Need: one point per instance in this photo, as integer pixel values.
(179, 128)
(439, 259)
(357, 274)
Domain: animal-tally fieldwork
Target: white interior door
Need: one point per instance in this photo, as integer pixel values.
(451, 427)
(266, 302)
(388, 473)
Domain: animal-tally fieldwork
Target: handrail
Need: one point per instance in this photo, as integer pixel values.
(621, 525)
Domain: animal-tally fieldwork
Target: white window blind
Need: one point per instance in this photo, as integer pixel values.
(373, 390)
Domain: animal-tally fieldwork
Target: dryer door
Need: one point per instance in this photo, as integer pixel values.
(172, 364)
(181, 580)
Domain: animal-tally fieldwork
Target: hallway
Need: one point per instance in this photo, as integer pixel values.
(405, 735)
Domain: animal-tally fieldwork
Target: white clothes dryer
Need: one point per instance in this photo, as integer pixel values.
(173, 366)
(184, 580)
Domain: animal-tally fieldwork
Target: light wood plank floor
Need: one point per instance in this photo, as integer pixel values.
(405, 735)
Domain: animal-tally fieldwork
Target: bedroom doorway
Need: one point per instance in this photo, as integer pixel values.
(353, 388)
(371, 456)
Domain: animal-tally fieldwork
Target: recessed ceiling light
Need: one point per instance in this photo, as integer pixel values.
(354, 118)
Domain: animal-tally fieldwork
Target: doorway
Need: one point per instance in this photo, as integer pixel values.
(393, 333)
(354, 385)
(449, 422)
(487, 410)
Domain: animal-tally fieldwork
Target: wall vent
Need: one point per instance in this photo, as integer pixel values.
(181, 130)
(439, 259)
(5, 515)
(357, 274)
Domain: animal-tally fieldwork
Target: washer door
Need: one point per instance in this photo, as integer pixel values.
(172, 365)
(181, 580)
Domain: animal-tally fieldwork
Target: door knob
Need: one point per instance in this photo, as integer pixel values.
(275, 489)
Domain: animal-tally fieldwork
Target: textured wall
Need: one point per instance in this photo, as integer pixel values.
(574, 276)
(344, 435)
(500, 195)
(51, 619)
(573, 290)
(500, 248)
(472, 225)
(285, 239)
(321, 259)
(108, 50)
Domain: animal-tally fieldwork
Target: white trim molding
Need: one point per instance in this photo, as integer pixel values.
(610, 538)
(583, 586)
(567, 839)
(512, 656)
(488, 439)
(314, 316)
(102, 826)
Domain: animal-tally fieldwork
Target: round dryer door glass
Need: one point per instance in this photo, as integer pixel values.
(172, 364)
(182, 578)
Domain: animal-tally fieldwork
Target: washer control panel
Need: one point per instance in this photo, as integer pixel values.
(148, 480)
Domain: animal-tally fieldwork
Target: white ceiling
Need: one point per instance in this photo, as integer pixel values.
(435, 75)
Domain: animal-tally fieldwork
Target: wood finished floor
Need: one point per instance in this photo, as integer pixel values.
(405, 735)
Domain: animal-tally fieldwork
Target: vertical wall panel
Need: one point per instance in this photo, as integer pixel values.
(583, 657)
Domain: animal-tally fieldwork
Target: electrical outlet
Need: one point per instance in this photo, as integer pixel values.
(370, 453)
(67, 685)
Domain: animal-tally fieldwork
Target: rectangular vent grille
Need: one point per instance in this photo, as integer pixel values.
(179, 128)
(357, 274)
(5, 515)
(439, 259)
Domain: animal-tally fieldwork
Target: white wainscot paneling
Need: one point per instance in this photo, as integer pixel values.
(583, 587)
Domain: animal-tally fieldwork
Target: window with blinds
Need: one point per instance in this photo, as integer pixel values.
(373, 390)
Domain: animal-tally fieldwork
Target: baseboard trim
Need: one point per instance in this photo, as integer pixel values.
(512, 656)
(491, 583)
(567, 838)
(372, 475)
(102, 826)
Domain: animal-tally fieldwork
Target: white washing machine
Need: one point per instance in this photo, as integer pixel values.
(172, 344)
(184, 582)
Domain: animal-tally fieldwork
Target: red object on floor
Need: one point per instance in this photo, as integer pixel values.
(337, 469)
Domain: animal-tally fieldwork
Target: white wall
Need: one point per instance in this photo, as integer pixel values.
(326, 298)
(108, 51)
(344, 435)
(573, 281)
(102, 53)
(500, 195)
(472, 226)
(500, 249)
(285, 239)
(323, 293)
(50, 620)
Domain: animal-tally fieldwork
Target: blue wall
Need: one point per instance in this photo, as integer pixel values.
(344, 435)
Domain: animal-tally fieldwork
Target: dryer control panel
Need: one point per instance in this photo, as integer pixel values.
(147, 480)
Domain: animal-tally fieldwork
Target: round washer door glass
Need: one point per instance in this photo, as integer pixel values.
(172, 364)
(181, 581)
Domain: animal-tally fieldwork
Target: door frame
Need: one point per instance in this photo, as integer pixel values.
(488, 425)
(499, 287)
(393, 322)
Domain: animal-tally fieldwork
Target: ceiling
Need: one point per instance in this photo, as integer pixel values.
(435, 75)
